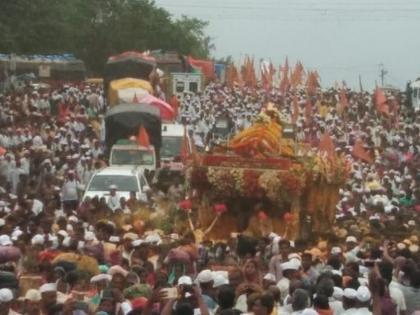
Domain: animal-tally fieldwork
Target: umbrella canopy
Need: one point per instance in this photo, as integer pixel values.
(124, 90)
(166, 110)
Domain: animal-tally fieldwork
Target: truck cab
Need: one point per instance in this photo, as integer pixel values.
(131, 154)
(173, 138)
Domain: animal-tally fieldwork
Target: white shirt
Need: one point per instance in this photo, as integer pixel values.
(114, 202)
(283, 286)
(362, 311)
(337, 307)
(37, 207)
(69, 190)
(397, 296)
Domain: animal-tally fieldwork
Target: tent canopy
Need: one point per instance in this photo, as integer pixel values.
(124, 121)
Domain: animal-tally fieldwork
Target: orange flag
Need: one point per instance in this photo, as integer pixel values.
(326, 144)
(295, 111)
(143, 137)
(308, 110)
(381, 102)
(312, 82)
(360, 152)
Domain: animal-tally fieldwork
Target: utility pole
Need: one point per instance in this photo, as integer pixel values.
(383, 72)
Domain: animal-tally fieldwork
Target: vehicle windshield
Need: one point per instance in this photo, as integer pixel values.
(171, 146)
(123, 183)
(132, 157)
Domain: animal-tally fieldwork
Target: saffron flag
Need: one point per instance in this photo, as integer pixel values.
(308, 111)
(381, 102)
(326, 145)
(295, 110)
(143, 137)
(360, 152)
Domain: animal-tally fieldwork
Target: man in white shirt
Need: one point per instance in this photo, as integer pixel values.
(114, 200)
(70, 194)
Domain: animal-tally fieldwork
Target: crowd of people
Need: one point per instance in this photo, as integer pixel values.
(63, 255)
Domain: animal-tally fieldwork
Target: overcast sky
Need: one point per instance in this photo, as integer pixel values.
(341, 39)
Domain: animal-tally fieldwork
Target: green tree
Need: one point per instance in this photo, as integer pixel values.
(96, 29)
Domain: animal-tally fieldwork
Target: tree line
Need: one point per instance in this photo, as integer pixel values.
(95, 29)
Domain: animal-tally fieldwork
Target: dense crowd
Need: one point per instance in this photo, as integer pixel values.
(63, 255)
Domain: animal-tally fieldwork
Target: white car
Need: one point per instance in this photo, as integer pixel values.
(126, 178)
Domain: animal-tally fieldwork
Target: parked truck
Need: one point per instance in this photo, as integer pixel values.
(122, 126)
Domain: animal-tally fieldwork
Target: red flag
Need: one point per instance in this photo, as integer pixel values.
(326, 144)
(206, 67)
(143, 137)
(308, 110)
(174, 102)
(135, 99)
(381, 102)
(360, 152)
(295, 112)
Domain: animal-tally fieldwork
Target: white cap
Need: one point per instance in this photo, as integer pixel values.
(117, 270)
(5, 240)
(219, 279)
(33, 295)
(294, 256)
(114, 239)
(153, 238)
(137, 243)
(16, 234)
(73, 218)
(100, 277)
(350, 293)
(289, 265)
(62, 233)
(48, 287)
(113, 187)
(6, 295)
(38, 239)
(89, 236)
(205, 276)
(338, 293)
(185, 280)
(351, 239)
(270, 277)
(309, 311)
(363, 294)
(336, 250)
